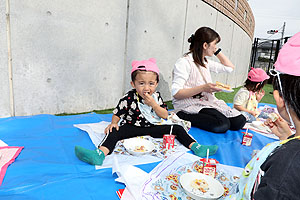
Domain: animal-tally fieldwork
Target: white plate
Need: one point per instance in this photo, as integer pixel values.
(228, 91)
(214, 190)
(261, 126)
(138, 146)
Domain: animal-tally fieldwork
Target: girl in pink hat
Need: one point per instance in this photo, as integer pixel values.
(141, 111)
(273, 173)
(247, 98)
(193, 89)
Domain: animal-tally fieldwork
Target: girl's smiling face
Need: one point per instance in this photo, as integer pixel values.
(145, 82)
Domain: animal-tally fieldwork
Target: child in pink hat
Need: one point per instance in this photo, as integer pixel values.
(273, 173)
(247, 98)
(141, 111)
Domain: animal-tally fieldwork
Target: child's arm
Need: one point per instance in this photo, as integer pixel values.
(241, 108)
(161, 112)
(114, 124)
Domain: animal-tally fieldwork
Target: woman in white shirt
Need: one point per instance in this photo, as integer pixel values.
(193, 90)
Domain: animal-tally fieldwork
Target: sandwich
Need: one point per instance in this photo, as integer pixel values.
(222, 86)
(273, 117)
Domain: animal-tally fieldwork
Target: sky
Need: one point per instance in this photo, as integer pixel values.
(271, 15)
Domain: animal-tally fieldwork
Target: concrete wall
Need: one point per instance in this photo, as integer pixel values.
(74, 56)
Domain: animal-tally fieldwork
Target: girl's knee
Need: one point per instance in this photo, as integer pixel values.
(238, 123)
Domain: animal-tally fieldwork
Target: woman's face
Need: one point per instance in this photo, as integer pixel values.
(210, 48)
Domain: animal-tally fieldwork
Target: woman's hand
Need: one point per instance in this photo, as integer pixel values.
(210, 88)
(109, 128)
(190, 92)
(280, 128)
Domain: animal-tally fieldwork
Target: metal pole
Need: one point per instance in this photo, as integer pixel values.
(282, 34)
(277, 50)
(10, 73)
(270, 59)
(255, 51)
(252, 52)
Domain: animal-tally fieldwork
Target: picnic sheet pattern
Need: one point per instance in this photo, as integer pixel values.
(163, 182)
(169, 188)
(159, 151)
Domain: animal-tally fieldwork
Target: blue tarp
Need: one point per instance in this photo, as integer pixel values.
(47, 167)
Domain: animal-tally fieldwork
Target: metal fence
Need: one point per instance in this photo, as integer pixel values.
(265, 51)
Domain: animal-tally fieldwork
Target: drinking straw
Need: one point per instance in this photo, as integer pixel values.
(247, 130)
(207, 153)
(169, 145)
(171, 130)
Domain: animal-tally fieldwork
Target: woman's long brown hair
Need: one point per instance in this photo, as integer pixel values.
(202, 35)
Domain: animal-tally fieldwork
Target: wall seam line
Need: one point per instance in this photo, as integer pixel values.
(9, 55)
(184, 30)
(125, 50)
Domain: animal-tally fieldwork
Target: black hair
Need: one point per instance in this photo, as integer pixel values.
(136, 72)
(290, 89)
(251, 85)
(202, 35)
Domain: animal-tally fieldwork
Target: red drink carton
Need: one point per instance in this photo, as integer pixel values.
(247, 139)
(168, 141)
(209, 167)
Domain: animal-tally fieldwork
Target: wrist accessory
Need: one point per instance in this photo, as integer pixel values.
(218, 51)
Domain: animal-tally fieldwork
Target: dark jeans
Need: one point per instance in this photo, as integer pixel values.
(210, 119)
(129, 131)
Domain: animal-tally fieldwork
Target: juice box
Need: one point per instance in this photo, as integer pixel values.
(168, 141)
(209, 167)
(247, 139)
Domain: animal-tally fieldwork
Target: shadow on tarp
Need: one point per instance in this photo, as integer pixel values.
(47, 167)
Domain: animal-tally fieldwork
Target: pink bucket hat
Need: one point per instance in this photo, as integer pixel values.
(257, 75)
(288, 60)
(148, 65)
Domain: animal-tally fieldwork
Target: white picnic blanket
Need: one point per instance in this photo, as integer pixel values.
(96, 133)
(141, 185)
(265, 132)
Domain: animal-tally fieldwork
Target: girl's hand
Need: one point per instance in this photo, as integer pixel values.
(252, 113)
(109, 128)
(148, 99)
(210, 88)
(260, 95)
(280, 128)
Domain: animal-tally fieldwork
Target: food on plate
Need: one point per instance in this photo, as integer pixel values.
(140, 148)
(235, 178)
(222, 86)
(200, 184)
(273, 117)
